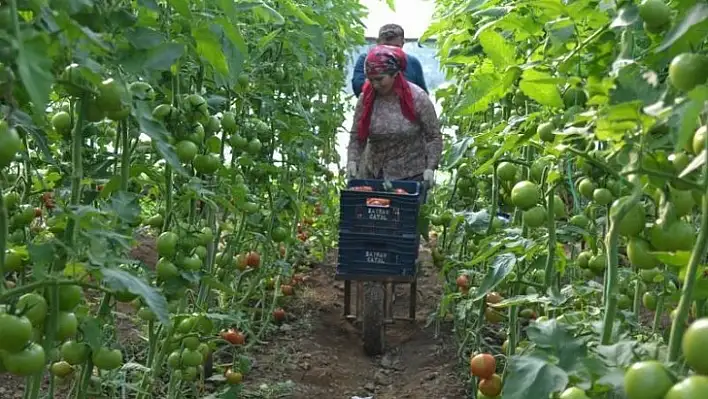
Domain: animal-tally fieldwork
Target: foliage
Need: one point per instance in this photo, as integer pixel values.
(602, 106)
(171, 155)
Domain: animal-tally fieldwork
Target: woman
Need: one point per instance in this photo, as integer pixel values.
(396, 132)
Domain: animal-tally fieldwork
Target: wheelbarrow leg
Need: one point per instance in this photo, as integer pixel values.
(413, 300)
(347, 298)
(388, 302)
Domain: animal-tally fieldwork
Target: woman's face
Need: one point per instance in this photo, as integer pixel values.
(383, 83)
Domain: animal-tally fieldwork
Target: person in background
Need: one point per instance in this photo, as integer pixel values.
(391, 35)
(396, 132)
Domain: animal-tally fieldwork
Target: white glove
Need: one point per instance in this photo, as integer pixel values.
(351, 169)
(429, 177)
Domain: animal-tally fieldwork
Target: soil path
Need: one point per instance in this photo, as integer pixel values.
(322, 355)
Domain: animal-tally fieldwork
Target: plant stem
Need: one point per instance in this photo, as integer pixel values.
(611, 247)
(3, 240)
(698, 253)
(125, 156)
(550, 260)
(77, 171)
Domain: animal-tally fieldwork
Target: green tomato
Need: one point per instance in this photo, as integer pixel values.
(647, 380)
(10, 144)
(28, 361)
(74, 352)
(34, 307)
(107, 359)
(191, 358)
(167, 244)
(15, 332)
(67, 325)
(70, 296)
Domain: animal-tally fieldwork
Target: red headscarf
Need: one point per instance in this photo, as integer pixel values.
(384, 59)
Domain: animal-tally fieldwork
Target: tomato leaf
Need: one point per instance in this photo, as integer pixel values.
(295, 11)
(163, 56)
(696, 163)
(627, 15)
(501, 52)
(502, 265)
(34, 68)
(118, 279)
(209, 48)
(533, 377)
(695, 16)
(676, 259)
(457, 152)
(182, 7)
(541, 87)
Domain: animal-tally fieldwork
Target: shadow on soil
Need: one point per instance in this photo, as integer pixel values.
(321, 353)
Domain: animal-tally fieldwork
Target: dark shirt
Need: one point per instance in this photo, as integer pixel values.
(413, 73)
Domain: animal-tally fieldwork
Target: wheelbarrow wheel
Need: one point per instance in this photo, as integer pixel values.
(373, 318)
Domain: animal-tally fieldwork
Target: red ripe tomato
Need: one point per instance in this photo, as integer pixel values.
(253, 259)
(462, 281)
(483, 365)
(99, 187)
(287, 289)
(234, 337)
(37, 212)
(279, 314)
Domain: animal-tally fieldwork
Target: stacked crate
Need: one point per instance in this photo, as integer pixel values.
(378, 229)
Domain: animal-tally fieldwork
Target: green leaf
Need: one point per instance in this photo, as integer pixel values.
(633, 83)
(457, 152)
(34, 67)
(696, 15)
(696, 163)
(541, 87)
(391, 4)
(627, 15)
(476, 221)
(532, 377)
(163, 56)
(502, 265)
(485, 87)
(501, 52)
(217, 285)
(676, 259)
(295, 11)
(209, 49)
(182, 7)
(234, 9)
(120, 280)
(555, 339)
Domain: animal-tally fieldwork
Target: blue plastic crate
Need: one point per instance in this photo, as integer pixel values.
(399, 217)
(377, 255)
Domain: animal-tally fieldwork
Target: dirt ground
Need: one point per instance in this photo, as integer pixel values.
(322, 355)
(318, 354)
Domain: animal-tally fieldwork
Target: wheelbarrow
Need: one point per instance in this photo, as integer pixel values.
(378, 248)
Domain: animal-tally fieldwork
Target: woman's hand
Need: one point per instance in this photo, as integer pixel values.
(429, 177)
(351, 170)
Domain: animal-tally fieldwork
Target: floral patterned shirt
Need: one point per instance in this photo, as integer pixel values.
(397, 149)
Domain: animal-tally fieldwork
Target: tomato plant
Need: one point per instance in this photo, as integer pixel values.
(575, 204)
(156, 157)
